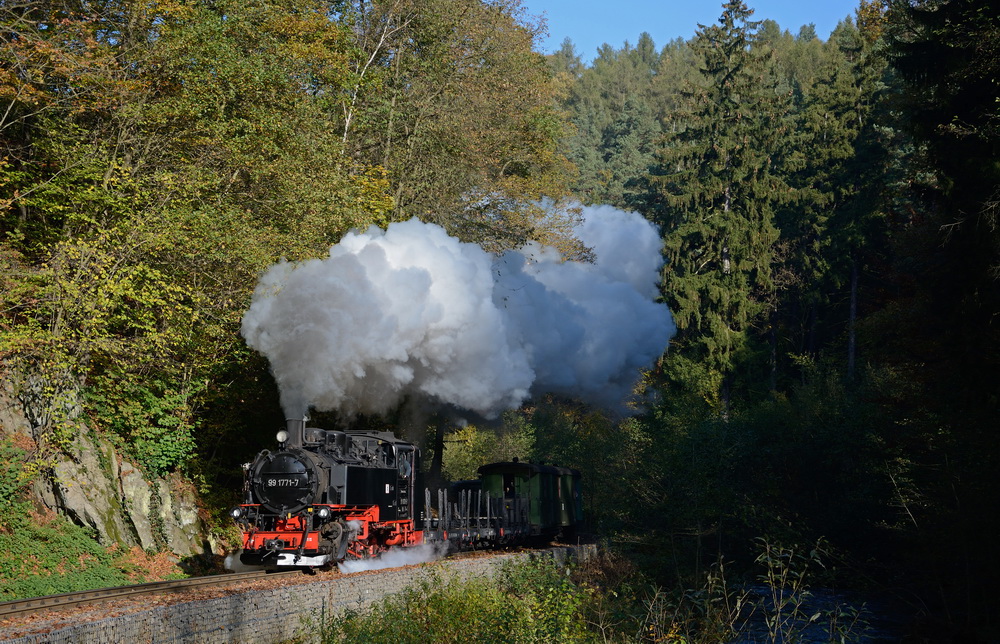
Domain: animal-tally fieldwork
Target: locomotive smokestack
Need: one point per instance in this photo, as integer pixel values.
(295, 428)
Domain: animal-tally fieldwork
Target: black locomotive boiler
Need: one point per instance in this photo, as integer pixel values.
(327, 495)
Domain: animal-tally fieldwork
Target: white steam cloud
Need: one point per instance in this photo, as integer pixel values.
(396, 558)
(232, 562)
(410, 311)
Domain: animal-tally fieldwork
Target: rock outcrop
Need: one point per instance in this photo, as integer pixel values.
(95, 487)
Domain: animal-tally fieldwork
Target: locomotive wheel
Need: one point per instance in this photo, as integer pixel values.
(336, 534)
(333, 531)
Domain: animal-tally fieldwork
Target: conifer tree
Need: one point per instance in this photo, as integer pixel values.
(947, 239)
(627, 148)
(714, 192)
(829, 114)
(612, 110)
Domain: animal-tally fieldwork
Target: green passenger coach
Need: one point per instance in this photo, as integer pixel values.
(551, 494)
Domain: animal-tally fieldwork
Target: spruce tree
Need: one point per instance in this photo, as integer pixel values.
(627, 150)
(714, 191)
(614, 121)
(829, 113)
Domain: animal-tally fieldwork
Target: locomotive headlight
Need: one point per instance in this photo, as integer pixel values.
(282, 436)
(324, 513)
(236, 512)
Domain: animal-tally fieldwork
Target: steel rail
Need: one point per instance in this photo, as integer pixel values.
(54, 602)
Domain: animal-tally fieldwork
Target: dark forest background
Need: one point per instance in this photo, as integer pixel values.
(829, 212)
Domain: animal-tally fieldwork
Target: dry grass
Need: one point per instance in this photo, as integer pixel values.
(140, 564)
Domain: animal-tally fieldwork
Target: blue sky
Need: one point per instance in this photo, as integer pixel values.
(590, 23)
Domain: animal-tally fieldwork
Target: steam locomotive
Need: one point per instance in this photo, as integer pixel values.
(328, 495)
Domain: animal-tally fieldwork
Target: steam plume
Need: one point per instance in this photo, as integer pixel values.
(411, 311)
(396, 558)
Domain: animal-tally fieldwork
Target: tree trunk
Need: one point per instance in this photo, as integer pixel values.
(434, 474)
(851, 324)
(773, 340)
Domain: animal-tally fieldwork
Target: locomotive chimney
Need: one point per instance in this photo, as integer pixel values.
(296, 430)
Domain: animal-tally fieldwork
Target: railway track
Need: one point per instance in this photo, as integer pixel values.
(66, 600)
(55, 602)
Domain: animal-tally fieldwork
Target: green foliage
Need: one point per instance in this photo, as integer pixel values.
(155, 159)
(614, 116)
(531, 602)
(609, 599)
(450, 98)
(554, 602)
(816, 462)
(788, 609)
(112, 307)
(49, 555)
(781, 608)
(13, 479)
(714, 190)
(143, 209)
(154, 421)
(469, 447)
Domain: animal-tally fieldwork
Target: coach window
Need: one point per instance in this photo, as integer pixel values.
(508, 486)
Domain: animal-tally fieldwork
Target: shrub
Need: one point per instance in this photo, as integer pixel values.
(532, 602)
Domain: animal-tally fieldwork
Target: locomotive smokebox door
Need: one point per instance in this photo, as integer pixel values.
(284, 481)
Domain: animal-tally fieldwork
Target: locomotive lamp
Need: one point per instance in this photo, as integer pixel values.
(324, 513)
(236, 512)
(282, 437)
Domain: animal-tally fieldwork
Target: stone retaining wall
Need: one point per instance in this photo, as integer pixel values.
(276, 615)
